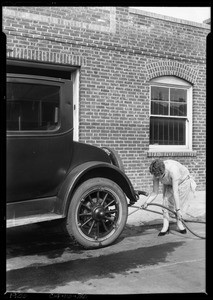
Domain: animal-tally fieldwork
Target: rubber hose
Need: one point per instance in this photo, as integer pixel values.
(160, 205)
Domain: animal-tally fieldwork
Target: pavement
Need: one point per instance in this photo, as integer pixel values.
(195, 212)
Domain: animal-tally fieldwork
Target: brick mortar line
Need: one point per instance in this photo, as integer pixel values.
(113, 48)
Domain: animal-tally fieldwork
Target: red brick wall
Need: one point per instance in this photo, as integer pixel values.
(118, 51)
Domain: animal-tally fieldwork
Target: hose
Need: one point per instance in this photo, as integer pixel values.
(160, 205)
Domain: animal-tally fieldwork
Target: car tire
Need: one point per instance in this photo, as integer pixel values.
(97, 213)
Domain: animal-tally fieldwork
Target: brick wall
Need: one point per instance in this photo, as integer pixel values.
(118, 50)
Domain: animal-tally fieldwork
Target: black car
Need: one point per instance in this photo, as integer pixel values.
(50, 176)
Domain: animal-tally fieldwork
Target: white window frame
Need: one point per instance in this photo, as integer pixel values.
(174, 82)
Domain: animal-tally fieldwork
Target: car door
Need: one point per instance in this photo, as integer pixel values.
(39, 139)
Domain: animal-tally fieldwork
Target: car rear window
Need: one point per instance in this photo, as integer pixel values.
(32, 106)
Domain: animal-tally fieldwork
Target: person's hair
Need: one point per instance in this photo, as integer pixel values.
(157, 167)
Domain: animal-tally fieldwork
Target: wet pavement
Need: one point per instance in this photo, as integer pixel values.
(43, 260)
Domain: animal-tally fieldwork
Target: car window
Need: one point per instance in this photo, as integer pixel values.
(32, 106)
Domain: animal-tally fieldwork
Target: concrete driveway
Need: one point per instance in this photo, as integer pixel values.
(42, 260)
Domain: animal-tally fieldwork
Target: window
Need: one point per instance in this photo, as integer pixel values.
(31, 110)
(32, 106)
(170, 114)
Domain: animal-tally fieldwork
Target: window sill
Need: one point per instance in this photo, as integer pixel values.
(152, 153)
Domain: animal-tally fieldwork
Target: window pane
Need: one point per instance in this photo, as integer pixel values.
(159, 93)
(178, 109)
(178, 95)
(167, 131)
(32, 106)
(159, 108)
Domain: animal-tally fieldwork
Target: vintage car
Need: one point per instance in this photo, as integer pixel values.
(50, 176)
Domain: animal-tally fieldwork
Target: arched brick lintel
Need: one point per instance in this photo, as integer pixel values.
(172, 68)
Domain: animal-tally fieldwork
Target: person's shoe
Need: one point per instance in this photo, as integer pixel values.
(162, 233)
(183, 231)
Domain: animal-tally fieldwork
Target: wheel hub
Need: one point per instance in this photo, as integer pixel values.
(99, 213)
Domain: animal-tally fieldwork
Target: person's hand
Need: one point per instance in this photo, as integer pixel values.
(179, 214)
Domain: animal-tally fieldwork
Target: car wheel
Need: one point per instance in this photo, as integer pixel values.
(115, 158)
(97, 213)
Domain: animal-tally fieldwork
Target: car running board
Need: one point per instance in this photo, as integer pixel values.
(33, 219)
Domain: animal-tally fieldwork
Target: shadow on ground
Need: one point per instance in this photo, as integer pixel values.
(47, 277)
(52, 242)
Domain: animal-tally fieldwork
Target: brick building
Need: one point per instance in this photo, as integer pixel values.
(139, 79)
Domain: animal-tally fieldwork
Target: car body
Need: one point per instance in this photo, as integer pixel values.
(46, 168)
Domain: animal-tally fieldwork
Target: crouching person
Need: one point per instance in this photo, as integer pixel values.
(178, 187)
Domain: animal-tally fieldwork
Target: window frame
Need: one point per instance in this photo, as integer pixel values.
(72, 75)
(172, 82)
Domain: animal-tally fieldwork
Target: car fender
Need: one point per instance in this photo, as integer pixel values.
(89, 170)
